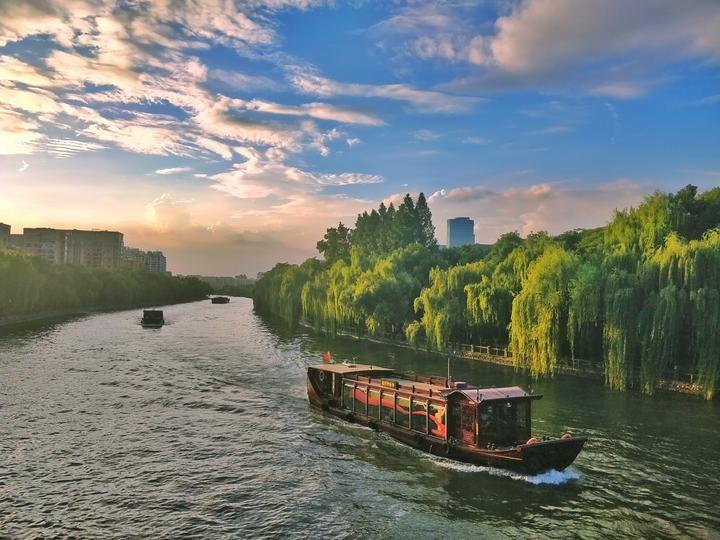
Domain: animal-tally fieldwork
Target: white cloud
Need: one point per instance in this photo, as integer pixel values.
(143, 133)
(265, 174)
(139, 57)
(166, 213)
(471, 193)
(12, 69)
(542, 37)
(610, 48)
(426, 101)
(225, 120)
(34, 101)
(24, 166)
(320, 111)
(173, 170)
(65, 148)
(18, 135)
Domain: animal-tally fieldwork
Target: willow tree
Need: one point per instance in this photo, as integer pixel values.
(622, 300)
(489, 306)
(441, 305)
(539, 311)
(705, 309)
(704, 283)
(585, 311)
(384, 293)
(314, 303)
(512, 270)
(659, 327)
(279, 291)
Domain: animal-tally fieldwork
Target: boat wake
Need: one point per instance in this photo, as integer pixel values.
(555, 478)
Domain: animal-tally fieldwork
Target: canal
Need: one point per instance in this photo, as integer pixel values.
(202, 428)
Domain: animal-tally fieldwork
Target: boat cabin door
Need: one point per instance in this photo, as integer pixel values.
(462, 420)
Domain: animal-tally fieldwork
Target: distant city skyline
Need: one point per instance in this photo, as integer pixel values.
(94, 248)
(230, 135)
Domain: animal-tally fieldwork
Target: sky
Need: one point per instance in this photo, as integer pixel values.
(230, 135)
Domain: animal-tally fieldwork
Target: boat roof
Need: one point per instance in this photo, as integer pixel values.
(488, 394)
(346, 369)
(470, 392)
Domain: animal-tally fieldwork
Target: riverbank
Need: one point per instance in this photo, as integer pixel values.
(502, 356)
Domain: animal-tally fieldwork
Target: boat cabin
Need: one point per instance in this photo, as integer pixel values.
(433, 407)
(153, 318)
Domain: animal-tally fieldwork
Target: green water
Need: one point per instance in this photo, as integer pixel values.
(202, 428)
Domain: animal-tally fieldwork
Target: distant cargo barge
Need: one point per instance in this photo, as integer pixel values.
(482, 426)
(220, 300)
(152, 318)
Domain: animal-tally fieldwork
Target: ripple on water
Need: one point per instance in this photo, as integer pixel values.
(202, 429)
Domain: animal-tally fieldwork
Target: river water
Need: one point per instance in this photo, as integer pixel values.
(202, 428)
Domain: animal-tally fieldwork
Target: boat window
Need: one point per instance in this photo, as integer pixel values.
(499, 423)
(374, 403)
(402, 411)
(468, 419)
(522, 415)
(361, 399)
(437, 420)
(419, 416)
(324, 381)
(388, 406)
(348, 396)
(505, 423)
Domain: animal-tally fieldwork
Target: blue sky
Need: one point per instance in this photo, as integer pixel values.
(231, 134)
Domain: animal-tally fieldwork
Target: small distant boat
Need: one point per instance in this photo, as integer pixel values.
(220, 300)
(483, 426)
(152, 318)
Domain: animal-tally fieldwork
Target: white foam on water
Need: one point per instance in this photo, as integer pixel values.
(553, 477)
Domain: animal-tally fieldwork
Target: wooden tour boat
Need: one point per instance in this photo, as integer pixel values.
(152, 318)
(220, 300)
(482, 426)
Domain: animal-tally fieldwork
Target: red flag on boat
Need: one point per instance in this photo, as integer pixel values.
(327, 357)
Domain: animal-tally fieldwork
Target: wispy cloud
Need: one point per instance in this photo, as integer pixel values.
(426, 135)
(265, 174)
(173, 170)
(65, 148)
(24, 166)
(481, 141)
(552, 130)
(709, 100)
(243, 81)
(320, 111)
(426, 101)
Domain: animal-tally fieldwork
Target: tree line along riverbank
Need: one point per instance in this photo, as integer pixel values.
(672, 381)
(32, 288)
(639, 297)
